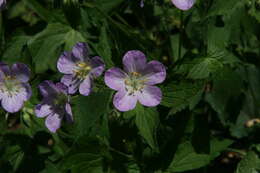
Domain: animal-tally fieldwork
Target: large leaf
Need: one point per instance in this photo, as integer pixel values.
(89, 112)
(187, 159)
(47, 45)
(180, 96)
(147, 121)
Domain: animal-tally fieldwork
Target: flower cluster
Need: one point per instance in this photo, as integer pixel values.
(133, 84)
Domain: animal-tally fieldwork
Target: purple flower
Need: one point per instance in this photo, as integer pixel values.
(183, 4)
(136, 82)
(79, 69)
(55, 105)
(14, 87)
(142, 3)
(2, 4)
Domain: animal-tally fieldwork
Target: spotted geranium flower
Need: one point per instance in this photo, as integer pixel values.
(136, 82)
(79, 69)
(2, 4)
(183, 4)
(55, 105)
(14, 87)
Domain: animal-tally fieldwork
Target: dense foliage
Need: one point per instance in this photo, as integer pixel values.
(207, 121)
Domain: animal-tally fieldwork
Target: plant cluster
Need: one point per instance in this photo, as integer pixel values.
(149, 86)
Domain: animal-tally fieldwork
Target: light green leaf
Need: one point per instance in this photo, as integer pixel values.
(204, 67)
(249, 163)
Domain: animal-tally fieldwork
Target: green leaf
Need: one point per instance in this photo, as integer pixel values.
(186, 159)
(204, 67)
(227, 84)
(89, 111)
(147, 121)
(44, 13)
(249, 163)
(180, 96)
(217, 146)
(47, 45)
(71, 38)
(13, 52)
(104, 48)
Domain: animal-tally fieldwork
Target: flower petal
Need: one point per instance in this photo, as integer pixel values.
(114, 78)
(2, 4)
(48, 88)
(65, 63)
(21, 72)
(154, 73)
(85, 86)
(123, 101)
(81, 51)
(69, 116)
(4, 70)
(43, 110)
(134, 61)
(183, 4)
(13, 103)
(53, 122)
(97, 65)
(61, 87)
(150, 96)
(72, 85)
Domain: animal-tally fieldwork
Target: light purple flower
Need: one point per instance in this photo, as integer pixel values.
(142, 3)
(136, 82)
(183, 4)
(79, 69)
(14, 87)
(2, 4)
(55, 105)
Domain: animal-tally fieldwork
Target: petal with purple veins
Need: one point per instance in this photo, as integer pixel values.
(134, 61)
(154, 73)
(71, 82)
(85, 86)
(150, 96)
(97, 65)
(65, 63)
(61, 87)
(43, 110)
(115, 78)
(4, 70)
(80, 51)
(48, 88)
(21, 72)
(123, 101)
(53, 122)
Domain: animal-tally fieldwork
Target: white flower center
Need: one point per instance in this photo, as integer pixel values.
(10, 85)
(134, 83)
